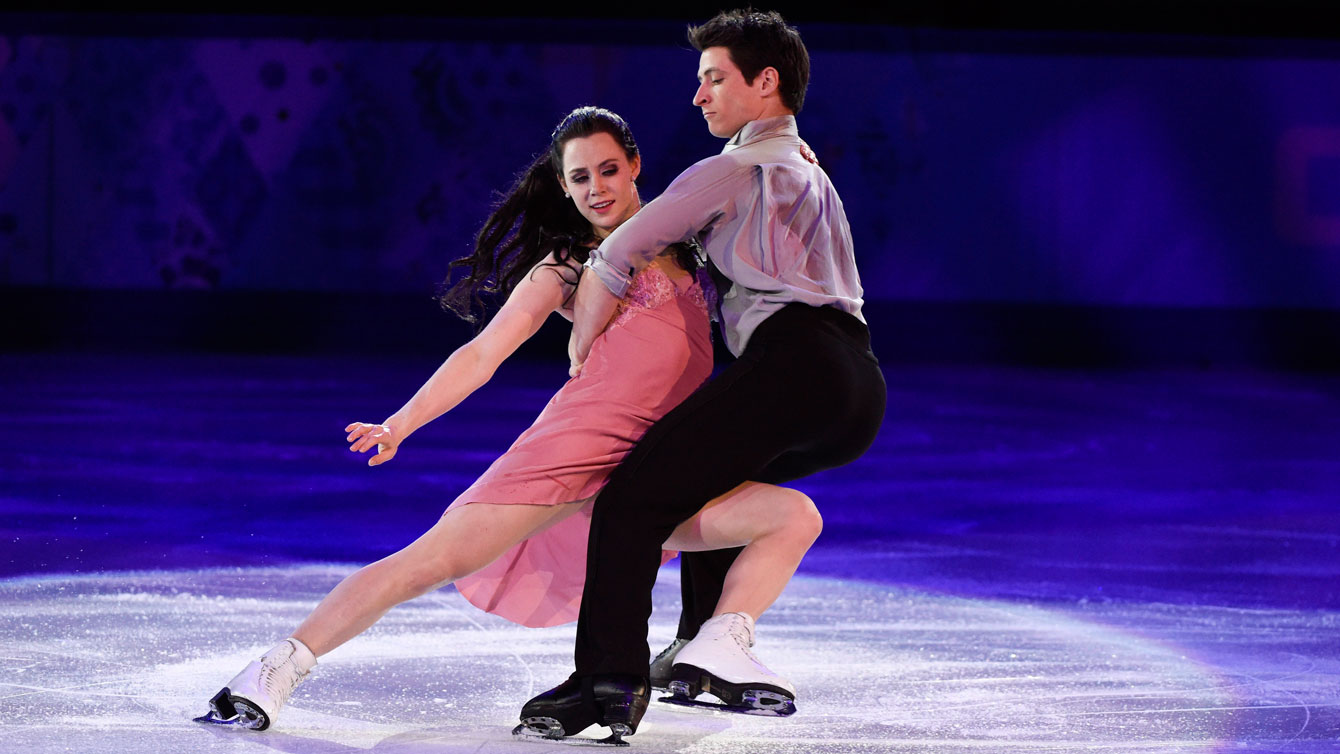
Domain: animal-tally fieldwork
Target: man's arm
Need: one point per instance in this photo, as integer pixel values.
(693, 202)
(592, 307)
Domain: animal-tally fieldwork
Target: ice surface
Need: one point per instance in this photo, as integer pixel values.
(1027, 560)
(121, 662)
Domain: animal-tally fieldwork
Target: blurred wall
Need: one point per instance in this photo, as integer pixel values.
(1059, 168)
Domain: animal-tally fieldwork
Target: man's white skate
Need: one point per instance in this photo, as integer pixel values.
(255, 696)
(719, 662)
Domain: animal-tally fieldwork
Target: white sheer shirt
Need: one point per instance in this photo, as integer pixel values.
(767, 216)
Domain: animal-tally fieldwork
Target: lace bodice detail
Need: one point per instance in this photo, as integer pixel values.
(652, 287)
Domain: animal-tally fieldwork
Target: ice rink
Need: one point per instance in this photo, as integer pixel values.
(122, 662)
(1027, 561)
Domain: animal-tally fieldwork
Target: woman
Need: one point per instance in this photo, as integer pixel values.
(514, 543)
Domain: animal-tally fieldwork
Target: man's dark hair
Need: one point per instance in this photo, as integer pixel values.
(757, 40)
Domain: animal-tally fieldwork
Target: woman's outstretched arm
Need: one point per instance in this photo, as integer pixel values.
(542, 291)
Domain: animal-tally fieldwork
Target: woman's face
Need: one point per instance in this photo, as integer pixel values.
(599, 177)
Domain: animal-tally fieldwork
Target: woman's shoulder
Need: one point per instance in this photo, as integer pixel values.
(561, 262)
(562, 270)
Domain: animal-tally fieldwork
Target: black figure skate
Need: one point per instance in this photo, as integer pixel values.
(662, 667)
(616, 702)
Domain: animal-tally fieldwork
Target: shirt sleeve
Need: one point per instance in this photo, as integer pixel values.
(692, 203)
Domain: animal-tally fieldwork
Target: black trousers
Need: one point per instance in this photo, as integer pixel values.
(702, 576)
(805, 395)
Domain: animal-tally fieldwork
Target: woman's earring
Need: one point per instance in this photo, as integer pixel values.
(566, 195)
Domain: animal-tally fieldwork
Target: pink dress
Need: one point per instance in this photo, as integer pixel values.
(655, 352)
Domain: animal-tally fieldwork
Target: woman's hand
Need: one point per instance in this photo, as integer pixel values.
(362, 437)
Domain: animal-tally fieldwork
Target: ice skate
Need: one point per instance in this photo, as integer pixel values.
(662, 666)
(719, 662)
(255, 696)
(616, 702)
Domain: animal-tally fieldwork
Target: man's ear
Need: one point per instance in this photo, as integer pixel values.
(769, 80)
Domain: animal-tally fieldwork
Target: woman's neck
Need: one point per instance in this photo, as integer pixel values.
(602, 233)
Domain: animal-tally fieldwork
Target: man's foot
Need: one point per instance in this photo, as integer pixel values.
(616, 702)
(719, 662)
(254, 697)
(661, 667)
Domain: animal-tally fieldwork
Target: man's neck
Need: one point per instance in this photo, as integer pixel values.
(773, 108)
(739, 136)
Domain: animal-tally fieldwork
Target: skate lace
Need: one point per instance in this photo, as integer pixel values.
(744, 637)
(280, 678)
(671, 650)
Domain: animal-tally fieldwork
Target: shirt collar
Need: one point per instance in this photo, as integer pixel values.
(782, 125)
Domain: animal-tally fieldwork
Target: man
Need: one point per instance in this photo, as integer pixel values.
(804, 395)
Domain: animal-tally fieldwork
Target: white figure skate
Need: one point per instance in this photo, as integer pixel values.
(255, 696)
(719, 661)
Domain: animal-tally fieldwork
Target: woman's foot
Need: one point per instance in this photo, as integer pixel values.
(719, 661)
(254, 697)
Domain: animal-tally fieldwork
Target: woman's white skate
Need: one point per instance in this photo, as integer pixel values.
(719, 662)
(254, 696)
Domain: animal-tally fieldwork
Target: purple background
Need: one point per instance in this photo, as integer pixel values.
(190, 184)
(989, 166)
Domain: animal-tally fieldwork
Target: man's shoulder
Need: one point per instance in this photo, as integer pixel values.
(717, 167)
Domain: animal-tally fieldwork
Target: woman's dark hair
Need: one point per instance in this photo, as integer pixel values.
(530, 222)
(757, 40)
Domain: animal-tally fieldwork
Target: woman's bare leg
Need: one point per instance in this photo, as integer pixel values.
(464, 540)
(775, 524)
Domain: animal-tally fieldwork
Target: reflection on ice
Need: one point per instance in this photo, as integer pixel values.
(122, 662)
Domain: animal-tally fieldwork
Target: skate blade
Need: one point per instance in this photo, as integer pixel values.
(238, 721)
(768, 703)
(212, 718)
(778, 706)
(226, 709)
(552, 732)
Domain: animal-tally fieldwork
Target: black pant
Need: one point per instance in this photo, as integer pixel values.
(805, 395)
(702, 575)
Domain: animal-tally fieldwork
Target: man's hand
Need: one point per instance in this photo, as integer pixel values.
(574, 364)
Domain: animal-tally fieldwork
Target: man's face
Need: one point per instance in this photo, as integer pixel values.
(726, 100)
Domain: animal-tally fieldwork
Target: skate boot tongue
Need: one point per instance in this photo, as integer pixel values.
(302, 656)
